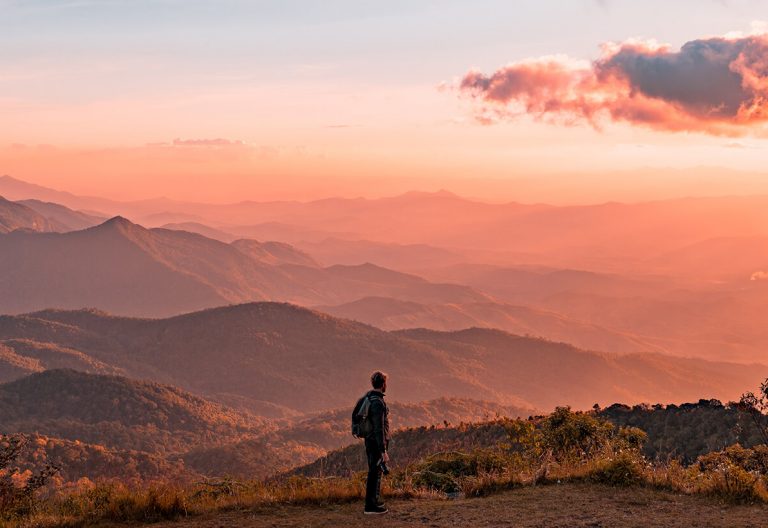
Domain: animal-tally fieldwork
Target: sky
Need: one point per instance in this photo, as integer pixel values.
(576, 101)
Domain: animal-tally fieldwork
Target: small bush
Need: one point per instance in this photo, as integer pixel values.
(446, 472)
(736, 473)
(432, 480)
(572, 435)
(631, 438)
(463, 464)
(623, 470)
(750, 459)
(733, 484)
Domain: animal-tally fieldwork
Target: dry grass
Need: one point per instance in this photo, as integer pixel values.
(115, 502)
(573, 505)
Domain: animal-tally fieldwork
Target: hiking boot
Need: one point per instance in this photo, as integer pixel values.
(376, 510)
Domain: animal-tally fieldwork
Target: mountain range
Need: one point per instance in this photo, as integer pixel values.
(119, 266)
(618, 237)
(394, 314)
(279, 359)
(124, 268)
(18, 216)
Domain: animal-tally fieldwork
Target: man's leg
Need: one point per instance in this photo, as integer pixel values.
(373, 483)
(378, 481)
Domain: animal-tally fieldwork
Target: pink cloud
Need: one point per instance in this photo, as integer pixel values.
(715, 85)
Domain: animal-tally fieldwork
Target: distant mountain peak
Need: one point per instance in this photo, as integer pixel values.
(119, 220)
(120, 223)
(17, 216)
(119, 227)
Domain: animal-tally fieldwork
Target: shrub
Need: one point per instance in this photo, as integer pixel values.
(574, 435)
(432, 480)
(631, 438)
(445, 471)
(461, 464)
(750, 459)
(733, 484)
(623, 470)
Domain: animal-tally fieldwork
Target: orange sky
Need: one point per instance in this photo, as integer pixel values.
(128, 100)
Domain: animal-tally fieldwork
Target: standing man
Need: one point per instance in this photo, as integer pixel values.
(376, 444)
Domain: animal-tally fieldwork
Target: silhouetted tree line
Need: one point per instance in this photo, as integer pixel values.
(686, 432)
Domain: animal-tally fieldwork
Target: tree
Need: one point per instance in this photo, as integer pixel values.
(17, 487)
(757, 406)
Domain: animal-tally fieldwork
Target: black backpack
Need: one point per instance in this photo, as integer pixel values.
(362, 426)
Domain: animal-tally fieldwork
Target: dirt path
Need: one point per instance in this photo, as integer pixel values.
(557, 506)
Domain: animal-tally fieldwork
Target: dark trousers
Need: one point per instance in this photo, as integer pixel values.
(373, 484)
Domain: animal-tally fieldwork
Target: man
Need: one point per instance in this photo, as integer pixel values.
(376, 444)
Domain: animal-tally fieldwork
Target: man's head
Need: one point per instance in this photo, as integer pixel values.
(379, 381)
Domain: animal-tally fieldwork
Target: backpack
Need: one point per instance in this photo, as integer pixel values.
(361, 423)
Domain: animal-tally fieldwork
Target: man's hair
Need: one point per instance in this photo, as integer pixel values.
(377, 379)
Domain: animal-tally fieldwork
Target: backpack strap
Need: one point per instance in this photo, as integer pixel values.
(364, 406)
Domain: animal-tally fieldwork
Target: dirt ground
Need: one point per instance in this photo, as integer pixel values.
(555, 506)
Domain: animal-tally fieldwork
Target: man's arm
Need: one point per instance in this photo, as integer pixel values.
(377, 419)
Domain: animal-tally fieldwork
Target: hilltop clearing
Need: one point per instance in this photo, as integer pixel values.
(564, 505)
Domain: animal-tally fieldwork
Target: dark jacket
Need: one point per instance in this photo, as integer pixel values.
(379, 415)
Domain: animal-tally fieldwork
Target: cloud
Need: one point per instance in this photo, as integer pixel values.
(714, 85)
(217, 142)
(759, 275)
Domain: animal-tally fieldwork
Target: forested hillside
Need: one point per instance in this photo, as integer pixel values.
(120, 413)
(277, 360)
(690, 430)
